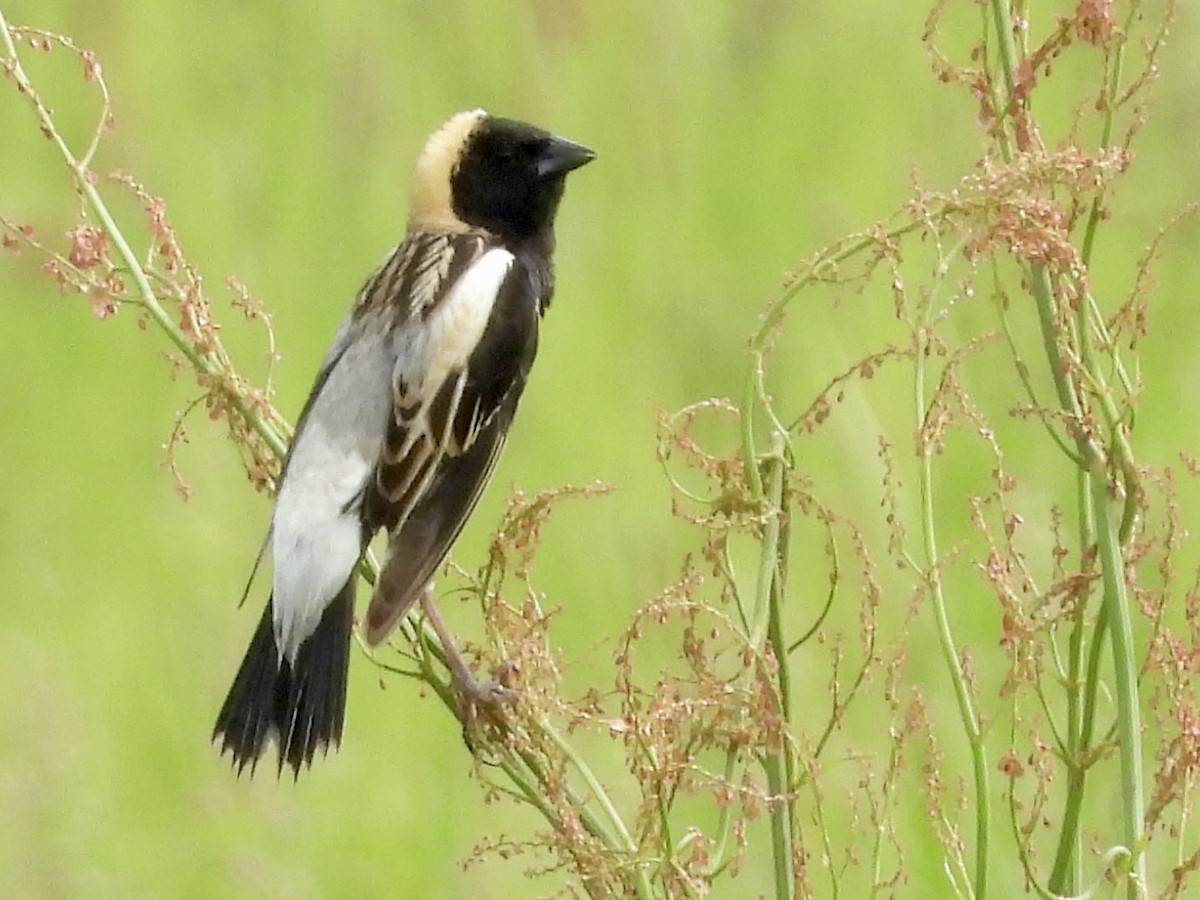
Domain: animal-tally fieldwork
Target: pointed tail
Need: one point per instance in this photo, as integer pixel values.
(299, 705)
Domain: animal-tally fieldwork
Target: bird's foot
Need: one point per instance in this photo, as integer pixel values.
(478, 703)
(481, 704)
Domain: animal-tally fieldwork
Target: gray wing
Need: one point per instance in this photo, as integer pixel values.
(315, 539)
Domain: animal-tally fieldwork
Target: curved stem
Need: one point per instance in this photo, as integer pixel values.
(202, 363)
(962, 693)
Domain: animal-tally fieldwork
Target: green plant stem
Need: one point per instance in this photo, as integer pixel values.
(619, 836)
(768, 563)
(1115, 604)
(527, 773)
(753, 389)
(962, 693)
(1064, 386)
(1024, 376)
(767, 597)
(1008, 65)
(201, 362)
(781, 829)
(719, 861)
(1129, 722)
(1112, 88)
(1112, 565)
(524, 771)
(779, 765)
(1066, 873)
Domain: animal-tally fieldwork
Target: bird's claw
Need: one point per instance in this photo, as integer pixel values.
(488, 698)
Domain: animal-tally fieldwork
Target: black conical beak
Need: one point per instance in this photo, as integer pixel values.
(562, 156)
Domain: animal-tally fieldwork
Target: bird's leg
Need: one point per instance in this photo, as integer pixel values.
(474, 694)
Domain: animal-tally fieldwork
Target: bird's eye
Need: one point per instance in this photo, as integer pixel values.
(519, 153)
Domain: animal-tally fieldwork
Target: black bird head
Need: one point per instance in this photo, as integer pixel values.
(481, 172)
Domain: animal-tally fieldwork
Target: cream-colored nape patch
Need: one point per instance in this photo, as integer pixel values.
(430, 208)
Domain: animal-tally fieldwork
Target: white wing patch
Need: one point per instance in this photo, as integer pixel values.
(452, 331)
(435, 354)
(315, 540)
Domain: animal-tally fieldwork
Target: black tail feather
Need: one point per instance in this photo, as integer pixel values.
(301, 705)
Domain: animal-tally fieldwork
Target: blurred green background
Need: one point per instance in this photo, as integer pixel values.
(733, 139)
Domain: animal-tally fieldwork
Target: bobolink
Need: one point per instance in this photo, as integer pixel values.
(404, 424)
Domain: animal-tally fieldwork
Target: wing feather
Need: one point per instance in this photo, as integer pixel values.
(315, 539)
(318, 530)
(448, 434)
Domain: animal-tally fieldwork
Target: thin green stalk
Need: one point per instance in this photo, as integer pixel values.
(1110, 539)
(1112, 564)
(1008, 64)
(881, 815)
(516, 768)
(769, 320)
(1022, 841)
(779, 766)
(719, 862)
(1023, 375)
(1114, 603)
(1112, 569)
(1112, 88)
(524, 770)
(766, 601)
(781, 826)
(768, 591)
(775, 626)
(962, 693)
(768, 559)
(1064, 386)
(1129, 716)
(1067, 872)
(619, 837)
(83, 184)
